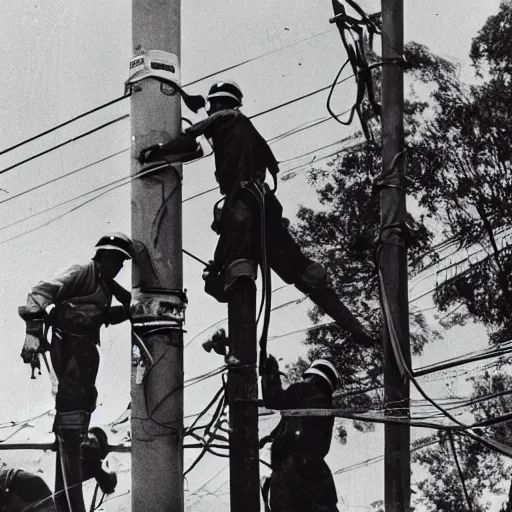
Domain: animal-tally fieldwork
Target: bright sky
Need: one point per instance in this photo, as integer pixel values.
(64, 57)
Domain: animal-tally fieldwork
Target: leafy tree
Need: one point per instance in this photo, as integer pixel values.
(484, 470)
(461, 159)
(341, 234)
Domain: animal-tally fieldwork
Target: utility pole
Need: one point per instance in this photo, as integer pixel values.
(243, 390)
(393, 258)
(158, 300)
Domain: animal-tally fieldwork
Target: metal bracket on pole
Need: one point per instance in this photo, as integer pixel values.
(158, 309)
(240, 268)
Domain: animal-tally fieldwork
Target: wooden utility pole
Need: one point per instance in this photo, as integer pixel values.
(157, 301)
(243, 398)
(393, 257)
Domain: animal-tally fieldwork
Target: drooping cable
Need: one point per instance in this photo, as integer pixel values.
(69, 141)
(65, 123)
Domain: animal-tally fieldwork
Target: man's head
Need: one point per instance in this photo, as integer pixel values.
(112, 251)
(324, 372)
(224, 95)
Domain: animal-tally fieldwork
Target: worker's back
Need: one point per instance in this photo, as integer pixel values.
(306, 435)
(241, 153)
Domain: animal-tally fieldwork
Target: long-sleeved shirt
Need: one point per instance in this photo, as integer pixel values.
(81, 296)
(241, 153)
(307, 435)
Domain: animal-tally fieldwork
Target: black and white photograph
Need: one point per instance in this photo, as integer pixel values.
(256, 256)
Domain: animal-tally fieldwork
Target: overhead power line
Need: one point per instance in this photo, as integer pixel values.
(234, 66)
(124, 96)
(10, 198)
(53, 148)
(286, 103)
(65, 123)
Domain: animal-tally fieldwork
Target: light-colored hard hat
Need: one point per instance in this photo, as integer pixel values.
(116, 242)
(326, 371)
(226, 89)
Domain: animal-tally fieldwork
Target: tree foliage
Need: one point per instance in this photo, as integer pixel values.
(484, 471)
(461, 160)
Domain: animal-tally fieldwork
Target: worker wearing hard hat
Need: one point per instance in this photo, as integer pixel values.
(300, 480)
(76, 303)
(242, 158)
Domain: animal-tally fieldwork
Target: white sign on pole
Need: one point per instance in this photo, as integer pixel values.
(154, 63)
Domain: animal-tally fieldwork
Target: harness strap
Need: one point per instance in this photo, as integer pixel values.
(258, 192)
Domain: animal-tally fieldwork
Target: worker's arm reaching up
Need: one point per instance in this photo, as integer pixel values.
(274, 396)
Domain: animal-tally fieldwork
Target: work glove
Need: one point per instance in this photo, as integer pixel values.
(150, 153)
(270, 366)
(214, 282)
(34, 341)
(212, 269)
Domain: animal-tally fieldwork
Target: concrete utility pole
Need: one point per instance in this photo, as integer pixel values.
(158, 300)
(393, 257)
(243, 394)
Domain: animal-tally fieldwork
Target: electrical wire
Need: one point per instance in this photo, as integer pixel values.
(69, 141)
(62, 176)
(69, 121)
(219, 322)
(128, 94)
(461, 474)
(294, 100)
(117, 183)
(234, 66)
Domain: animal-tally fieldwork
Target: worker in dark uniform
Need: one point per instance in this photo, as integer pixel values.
(23, 491)
(76, 303)
(301, 481)
(242, 158)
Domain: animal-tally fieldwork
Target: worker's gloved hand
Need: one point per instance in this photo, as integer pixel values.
(34, 341)
(150, 154)
(212, 269)
(271, 366)
(214, 282)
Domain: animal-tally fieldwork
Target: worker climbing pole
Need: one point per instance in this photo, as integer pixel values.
(75, 304)
(251, 232)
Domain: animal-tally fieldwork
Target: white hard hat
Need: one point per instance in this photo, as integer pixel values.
(116, 242)
(326, 370)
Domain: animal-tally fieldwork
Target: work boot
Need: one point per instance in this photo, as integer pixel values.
(313, 283)
(94, 451)
(326, 299)
(107, 481)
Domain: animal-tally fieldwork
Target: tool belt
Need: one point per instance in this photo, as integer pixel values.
(241, 191)
(73, 421)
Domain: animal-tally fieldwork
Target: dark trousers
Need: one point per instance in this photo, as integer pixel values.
(301, 483)
(69, 453)
(75, 360)
(240, 235)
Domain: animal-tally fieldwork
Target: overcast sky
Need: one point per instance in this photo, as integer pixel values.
(63, 57)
